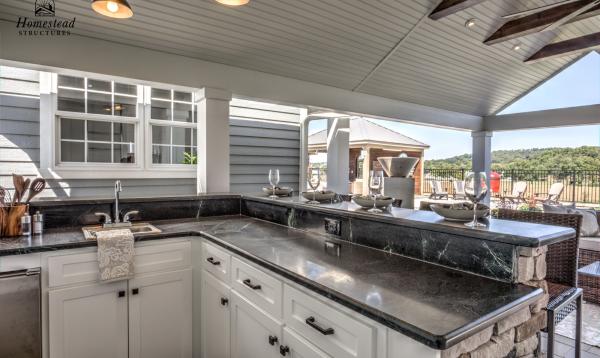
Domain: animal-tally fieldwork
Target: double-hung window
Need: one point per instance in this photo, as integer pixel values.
(97, 121)
(172, 119)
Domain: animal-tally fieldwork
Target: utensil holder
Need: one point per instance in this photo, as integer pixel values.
(10, 219)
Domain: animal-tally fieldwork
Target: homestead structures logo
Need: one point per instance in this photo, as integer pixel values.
(44, 23)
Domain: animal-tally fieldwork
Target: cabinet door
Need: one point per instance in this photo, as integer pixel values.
(88, 321)
(295, 346)
(252, 331)
(160, 315)
(216, 326)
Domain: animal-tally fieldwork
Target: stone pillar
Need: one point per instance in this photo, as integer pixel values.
(338, 152)
(213, 140)
(482, 155)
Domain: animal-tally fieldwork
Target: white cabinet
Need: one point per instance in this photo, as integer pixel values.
(253, 333)
(160, 319)
(89, 321)
(294, 346)
(148, 316)
(215, 326)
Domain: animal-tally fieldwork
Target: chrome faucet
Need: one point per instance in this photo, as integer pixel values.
(116, 221)
(118, 189)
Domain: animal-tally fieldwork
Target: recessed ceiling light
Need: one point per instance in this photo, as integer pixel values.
(470, 23)
(118, 9)
(233, 2)
(516, 47)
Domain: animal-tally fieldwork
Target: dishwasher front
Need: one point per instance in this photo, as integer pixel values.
(20, 314)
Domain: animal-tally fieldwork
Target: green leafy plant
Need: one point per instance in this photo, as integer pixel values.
(189, 158)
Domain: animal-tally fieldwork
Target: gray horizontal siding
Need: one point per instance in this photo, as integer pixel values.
(263, 138)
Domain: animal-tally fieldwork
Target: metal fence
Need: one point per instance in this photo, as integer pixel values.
(582, 186)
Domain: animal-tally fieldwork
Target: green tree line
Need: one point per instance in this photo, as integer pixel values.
(563, 159)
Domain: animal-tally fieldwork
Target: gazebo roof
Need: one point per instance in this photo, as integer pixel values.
(364, 131)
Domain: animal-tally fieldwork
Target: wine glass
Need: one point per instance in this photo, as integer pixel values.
(274, 180)
(375, 184)
(476, 189)
(314, 180)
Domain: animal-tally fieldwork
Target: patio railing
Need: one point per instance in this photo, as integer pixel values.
(582, 186)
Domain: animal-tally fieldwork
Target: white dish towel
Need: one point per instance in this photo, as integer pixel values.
(115, 254)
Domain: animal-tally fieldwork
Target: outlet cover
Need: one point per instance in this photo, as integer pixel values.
(333, 226)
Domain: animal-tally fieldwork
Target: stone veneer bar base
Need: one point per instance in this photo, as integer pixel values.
(517, 335)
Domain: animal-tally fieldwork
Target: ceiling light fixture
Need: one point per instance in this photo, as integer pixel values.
(517, 46)
(470, 23)
(118, 9)
(233, 2)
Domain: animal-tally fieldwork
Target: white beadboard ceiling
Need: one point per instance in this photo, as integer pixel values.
(440, 64)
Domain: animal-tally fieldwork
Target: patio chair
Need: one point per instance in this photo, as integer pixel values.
(552, 196)
(459, 190)
(561, 274)
(518, 194)
(437, 192)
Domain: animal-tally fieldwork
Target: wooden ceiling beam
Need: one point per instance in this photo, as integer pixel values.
(449, 7)
(540, 21)
(566, 47)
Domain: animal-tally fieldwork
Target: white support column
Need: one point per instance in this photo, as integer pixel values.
(482, 155)
(304, 155)
(213, 140)
(338, 152)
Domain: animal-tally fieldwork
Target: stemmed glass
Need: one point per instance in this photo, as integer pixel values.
(476, 189)
(273, 180)
(314, 180)
(375, 184)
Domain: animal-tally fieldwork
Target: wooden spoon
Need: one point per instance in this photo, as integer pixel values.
(37, 185)
(25, 187)
(19, 183)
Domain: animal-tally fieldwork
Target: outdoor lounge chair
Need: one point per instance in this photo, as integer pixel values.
(437, 192)
(459, 190)
(552, 196)
(518, 194)
(561, 275)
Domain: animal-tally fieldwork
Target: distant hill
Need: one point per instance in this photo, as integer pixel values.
(582, 158)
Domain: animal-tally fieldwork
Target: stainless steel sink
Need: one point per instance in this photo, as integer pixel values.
(138, 228)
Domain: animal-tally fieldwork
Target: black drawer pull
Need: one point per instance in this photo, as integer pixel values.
(121, 294)
(135, 291)
(273, 340)
(248, 283)
(324, 331)
(212, 261)
(283, 350)
(224, 301)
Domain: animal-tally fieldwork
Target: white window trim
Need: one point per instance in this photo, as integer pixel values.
(50, 167)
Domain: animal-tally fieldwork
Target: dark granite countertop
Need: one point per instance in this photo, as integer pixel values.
(432, 304)
(510, 232)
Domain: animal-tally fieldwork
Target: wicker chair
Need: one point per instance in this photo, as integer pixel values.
(561, 275)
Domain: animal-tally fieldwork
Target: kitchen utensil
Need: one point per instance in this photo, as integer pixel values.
(25, 187)
(19, 183)
(37, 185)
(4, 197)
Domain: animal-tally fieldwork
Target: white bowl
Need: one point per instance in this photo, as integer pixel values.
(318, 195)
(367, 201)
(459, 212)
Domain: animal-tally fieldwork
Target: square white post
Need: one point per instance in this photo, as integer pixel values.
(338, 153)
(482, 156)
(213, 140)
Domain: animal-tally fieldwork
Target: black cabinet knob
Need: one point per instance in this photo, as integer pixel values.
(135, 291)
(283, 350)
(121, 294)
(224, 301)
(273, 340)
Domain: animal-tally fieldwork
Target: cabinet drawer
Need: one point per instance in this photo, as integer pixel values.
(297, 347)
(216, 261)
(83, 267)
(327, 328)
(257, 286)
